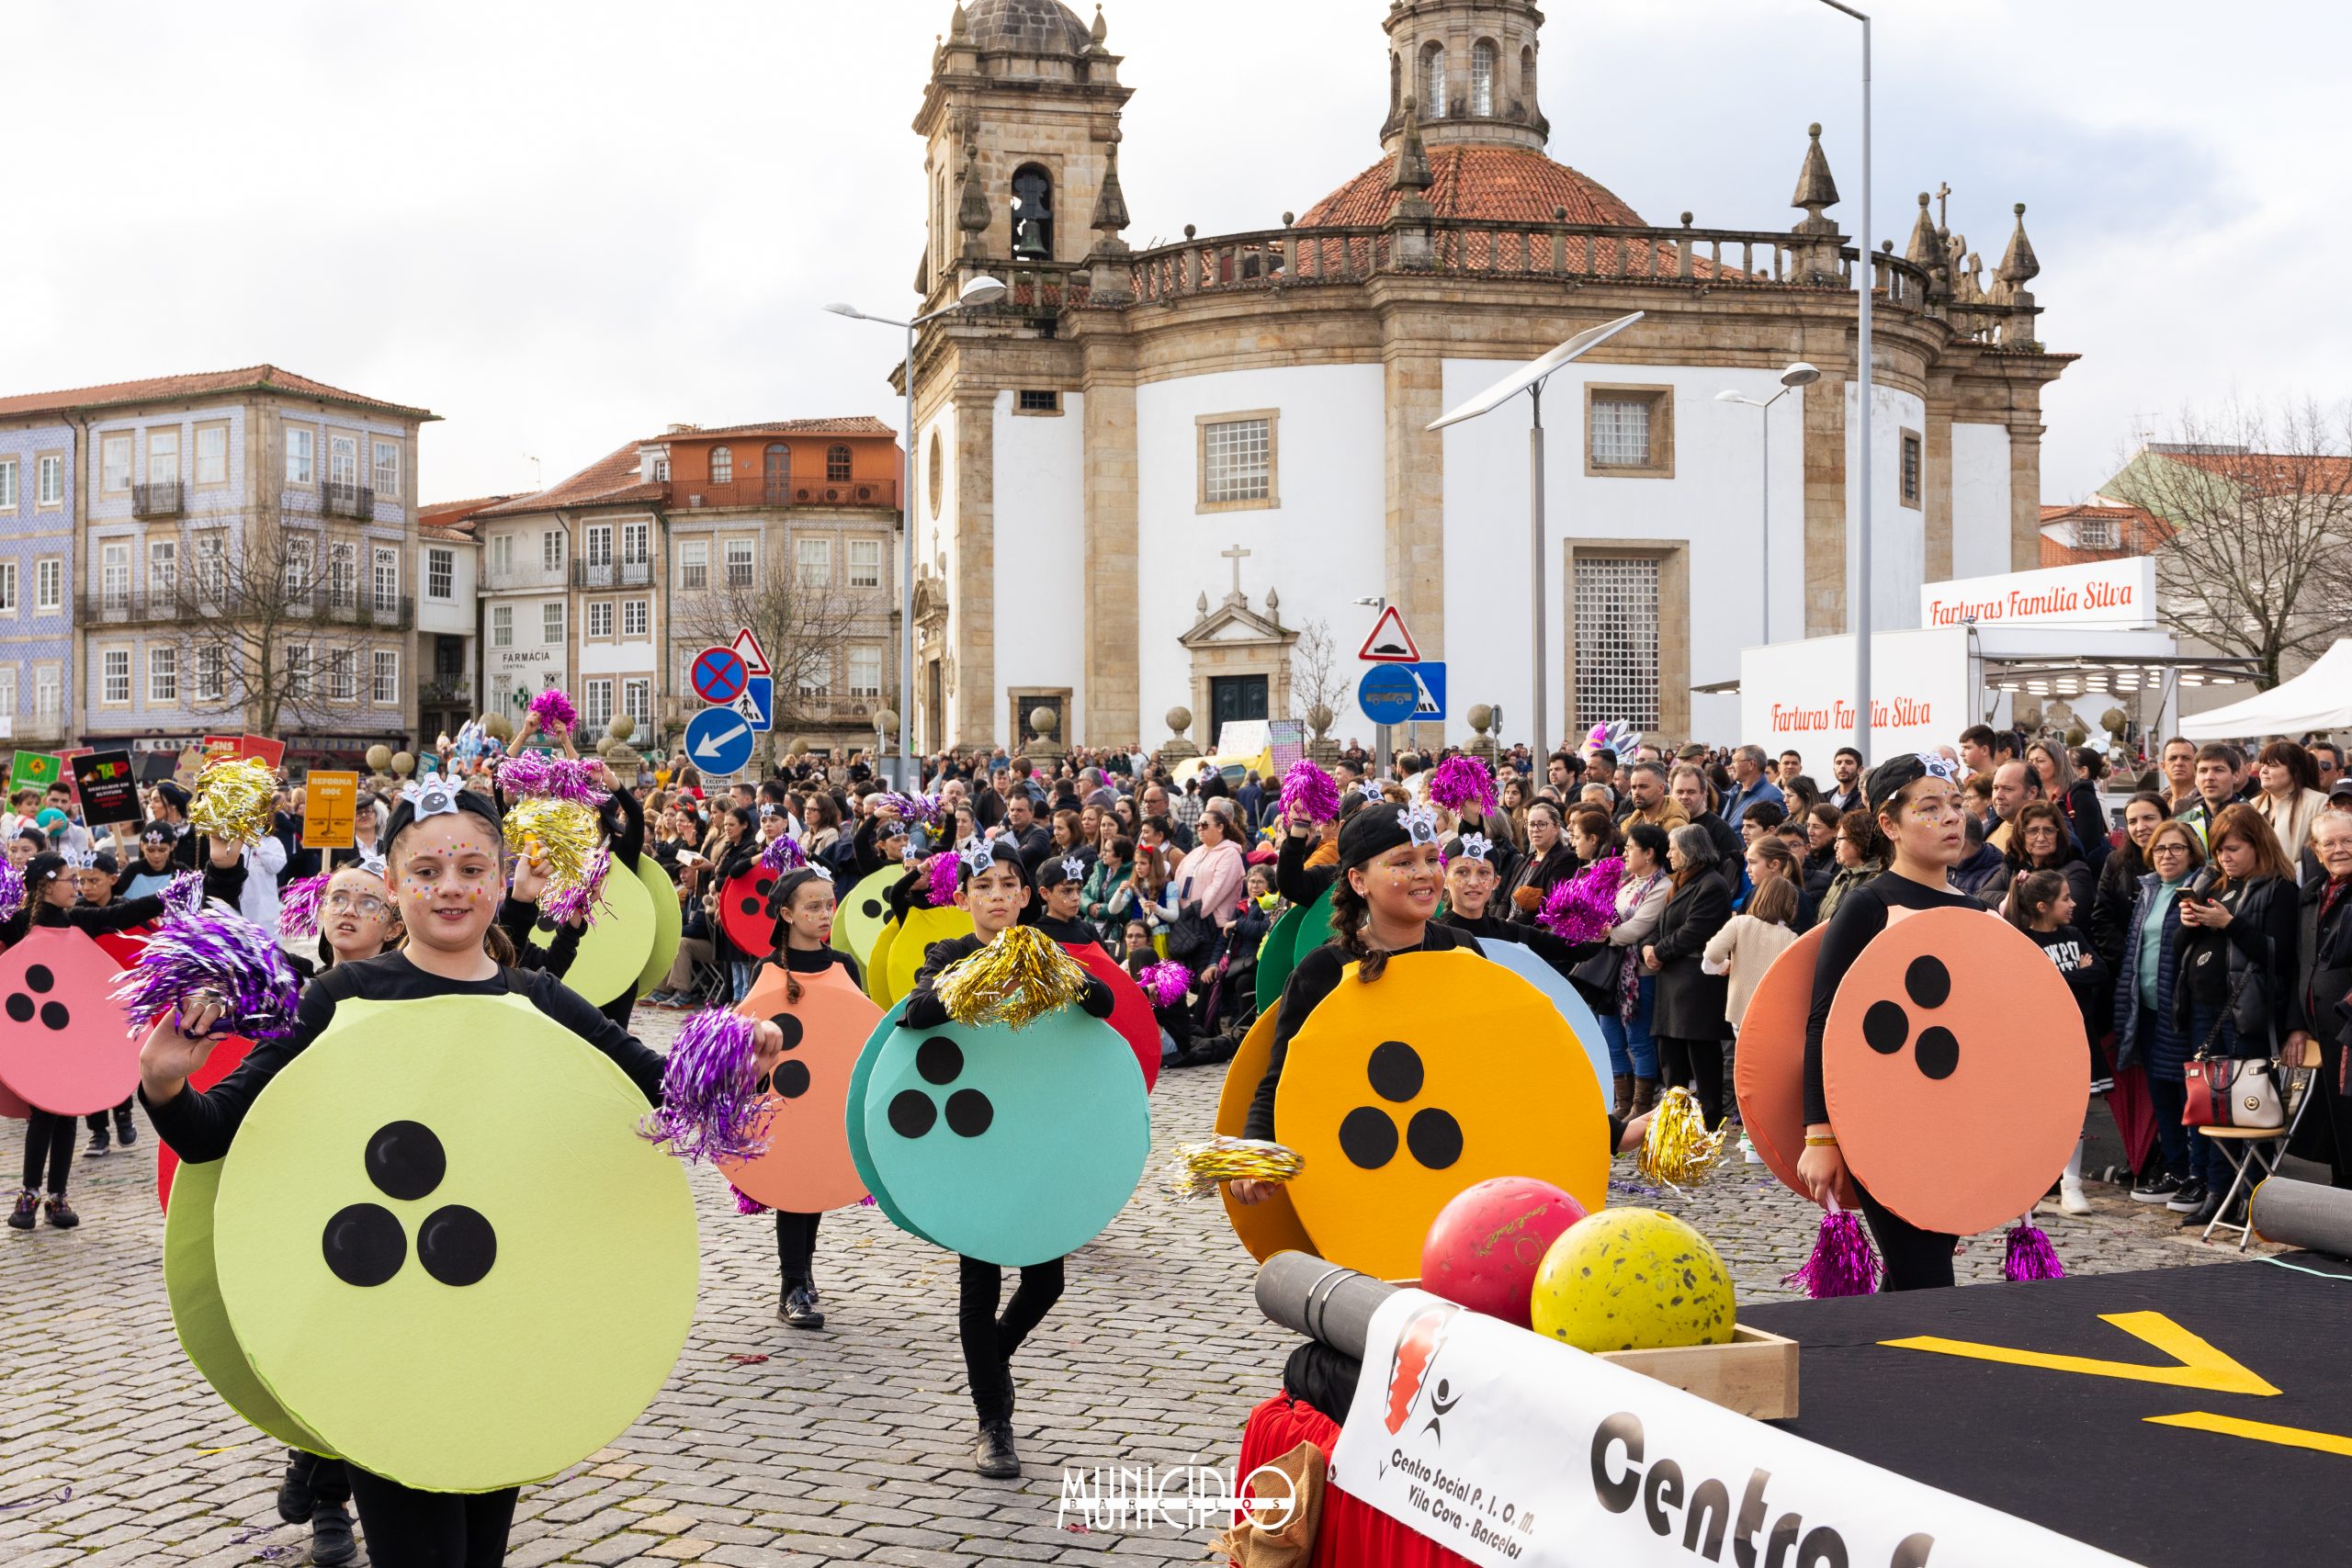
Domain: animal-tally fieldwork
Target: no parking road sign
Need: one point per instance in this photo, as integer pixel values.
(719, 674)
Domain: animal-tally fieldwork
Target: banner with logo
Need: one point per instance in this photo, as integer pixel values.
(34, 770)
(107, 789)
(1800, 695)
(1517, 1451)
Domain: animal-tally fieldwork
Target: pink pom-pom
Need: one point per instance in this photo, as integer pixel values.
(783, 853)
(943, 879)
(710, 1108)
(1583, 907)
(2030, 1255)
(555, 711)
(298, 906)
(1458, 781)
(533, 773)
(1842, 1263)
(1308, 787)
(744, 1202)
(1165, 983)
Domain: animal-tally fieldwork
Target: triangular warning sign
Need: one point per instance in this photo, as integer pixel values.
(755, 658)
(1390, 643)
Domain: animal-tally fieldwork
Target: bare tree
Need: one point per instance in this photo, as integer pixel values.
(1316, 677)
(276, 620)
(804, 627)
(2259, 508)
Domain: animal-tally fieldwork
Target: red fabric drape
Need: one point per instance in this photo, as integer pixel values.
(1353, 1534)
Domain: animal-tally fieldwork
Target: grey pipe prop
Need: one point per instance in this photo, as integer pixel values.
(2290, 1214)
(1320, 1300)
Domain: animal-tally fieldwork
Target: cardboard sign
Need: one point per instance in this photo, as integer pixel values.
(34, 770)
(218, 748)
(109, 788)
(262, 746)
(331, 812)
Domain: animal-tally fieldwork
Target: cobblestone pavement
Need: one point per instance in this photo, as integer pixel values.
(768, 1446)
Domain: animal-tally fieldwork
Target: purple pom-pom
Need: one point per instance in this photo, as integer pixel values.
(12, 889)
(744, 1202)
(535, 774)
(1583, 907)
(709, 1109)
(581, 900)
(943, 872)
(212, 952)
(1458, 781)
(184, 892)
(783, 853)
(1309, 788)
(555, 711)
(1165, 983)
(914, 809)
(298, 906)
(2030, 1255)
(1842, 1263)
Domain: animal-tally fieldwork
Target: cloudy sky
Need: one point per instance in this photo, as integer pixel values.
(563, 226)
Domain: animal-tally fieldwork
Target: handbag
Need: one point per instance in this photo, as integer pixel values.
(2225, 1091)
(1192, 937)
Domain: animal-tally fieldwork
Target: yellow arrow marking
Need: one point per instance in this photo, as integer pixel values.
(2199, 1365)
(2260, 1431)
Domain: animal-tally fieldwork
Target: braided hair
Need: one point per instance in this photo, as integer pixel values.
(1351, 918)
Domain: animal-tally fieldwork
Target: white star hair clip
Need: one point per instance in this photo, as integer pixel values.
(978, 856)
(373, 864)
(1073, 868)
(1939, 766)
(1478, 846)
(1419, 824)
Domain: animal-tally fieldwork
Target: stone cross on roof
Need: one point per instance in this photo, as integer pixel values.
(1236, 555)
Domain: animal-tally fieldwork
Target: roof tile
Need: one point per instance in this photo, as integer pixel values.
(252, 379)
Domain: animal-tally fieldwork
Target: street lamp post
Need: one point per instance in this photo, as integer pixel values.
(1862, 284)
(1529, 379)
(978, 291)
(1795, 376)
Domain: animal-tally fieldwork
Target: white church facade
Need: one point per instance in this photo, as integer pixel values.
(1140, 479)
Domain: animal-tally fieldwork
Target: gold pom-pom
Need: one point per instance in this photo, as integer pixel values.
(1199, 1169)
(1678, 1149)
(1015, 980)
(236, 800)
(560, 834)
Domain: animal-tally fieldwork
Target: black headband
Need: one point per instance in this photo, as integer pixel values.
(1378, 829)
(404, 818)
(1895, 774)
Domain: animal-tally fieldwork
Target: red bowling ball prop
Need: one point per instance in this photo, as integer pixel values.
(1485, 1245)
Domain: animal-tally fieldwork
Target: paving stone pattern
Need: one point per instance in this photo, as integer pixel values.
(768, 1446)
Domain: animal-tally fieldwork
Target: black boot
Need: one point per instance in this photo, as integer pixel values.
(331, 1540)
(296, 1502)
(993, 1452)
(799, 1308)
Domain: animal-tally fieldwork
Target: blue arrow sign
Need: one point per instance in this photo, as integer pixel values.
(756, 706)
(719, 741)
(1402, 693)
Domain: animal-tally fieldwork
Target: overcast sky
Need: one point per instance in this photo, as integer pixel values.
(563, 226)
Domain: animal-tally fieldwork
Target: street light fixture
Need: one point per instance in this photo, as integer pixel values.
(1529, 379)
(977, 292)
(1795, 376)
(1863, 285)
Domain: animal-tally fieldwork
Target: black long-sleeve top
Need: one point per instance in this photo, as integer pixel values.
(517, 918)
(815, 961)
(1293, 878)
(221, 882)
(1860, 914)
(200, 1124)
(623, 816)
(925, 1011)
(2066, 948)
(2263, 939)
(1560, 956)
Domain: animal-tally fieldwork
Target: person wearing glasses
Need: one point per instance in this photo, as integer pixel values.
(2145, 1029)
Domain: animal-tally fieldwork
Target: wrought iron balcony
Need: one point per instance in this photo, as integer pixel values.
(612, 574)
(163, 498)
(341, 500)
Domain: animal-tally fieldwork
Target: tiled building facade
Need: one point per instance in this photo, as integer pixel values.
(36, 501)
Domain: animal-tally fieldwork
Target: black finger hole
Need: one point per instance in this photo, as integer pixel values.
(1886, 1027)
(1395, 1070)
(913, 1114)
(54, 1015)
(1435, 1138)
(760, 1084)
(363, 1245)
(969, 1113)
(1368, 1137)
(1937, 1052)
(405, 1160)
(765, 886)
(751, 906)
(1928, 982)
(939, 1060)
(20, 1007)
(871, 909)
(789, 1027)
(456, 1245)
(38, 978)
(792, 1079)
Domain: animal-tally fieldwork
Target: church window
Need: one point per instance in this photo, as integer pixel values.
(930, 476)
(1909, 469)
(722, 465)
(1629, 431)
(1482, 77)
(1433, 82)
(836, 462)
(1033, 214)
(1238, 461)
(1032, 399)
(1617, 642)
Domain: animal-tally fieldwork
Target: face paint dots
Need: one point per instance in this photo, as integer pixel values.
(365, 1244)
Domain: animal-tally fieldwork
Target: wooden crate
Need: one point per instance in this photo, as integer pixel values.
(1756, 1375)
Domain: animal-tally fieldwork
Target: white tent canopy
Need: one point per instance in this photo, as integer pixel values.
(2318, 699)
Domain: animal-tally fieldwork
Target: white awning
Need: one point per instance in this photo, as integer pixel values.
(2320, 698)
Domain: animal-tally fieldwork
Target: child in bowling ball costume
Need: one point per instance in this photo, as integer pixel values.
(802, 903)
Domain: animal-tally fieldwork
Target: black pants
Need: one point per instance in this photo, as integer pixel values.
(1700, 1064)
(407, 1528)
(48, 1141)
(97, 1119)
(990, 1340)
(1915, 1259)
(796, 1246)
(328, 1479)
(620, 1006)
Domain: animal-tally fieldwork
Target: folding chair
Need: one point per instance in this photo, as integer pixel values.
(2253, 1152)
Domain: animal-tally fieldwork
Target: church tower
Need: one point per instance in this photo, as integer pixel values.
(1021, 126)
(1469, 68)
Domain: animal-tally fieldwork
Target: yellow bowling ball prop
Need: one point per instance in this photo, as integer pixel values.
(1633, 1280)
(910, 938)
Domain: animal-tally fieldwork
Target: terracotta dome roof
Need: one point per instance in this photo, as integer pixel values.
(1028, 27)
(1508, 184)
